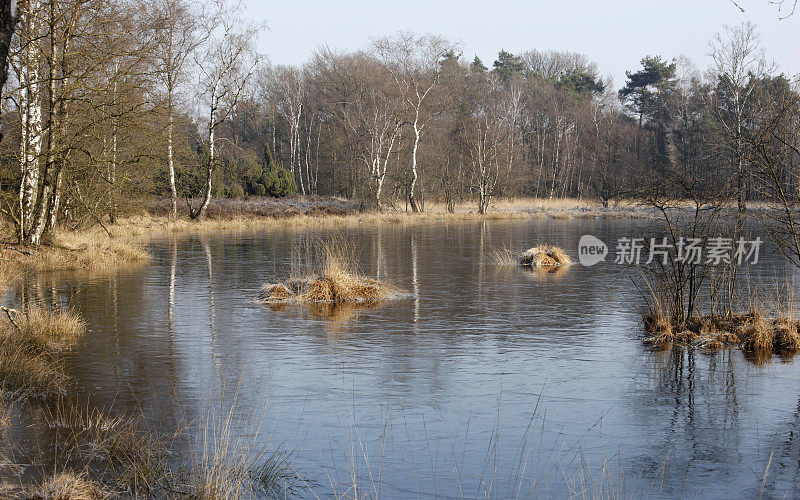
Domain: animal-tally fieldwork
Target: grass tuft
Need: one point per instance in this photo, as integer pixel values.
(754, 332)
(69, 486)
(504, 257)
(334, 281)
(545, 256)
(30, 342)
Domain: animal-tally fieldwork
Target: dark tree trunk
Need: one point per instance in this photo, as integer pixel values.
(8, 21)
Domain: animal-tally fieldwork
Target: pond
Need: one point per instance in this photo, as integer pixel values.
(484, 380)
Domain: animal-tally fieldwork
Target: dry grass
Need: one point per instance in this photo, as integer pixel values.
(68, 486)
(91, 250)
(227, 460)
(29, 348)
(129, 455)
(297, 214)
(504, 257)
(334, 281)
(48, 331)
(754, 332)
(9, 273)
(5, 413)
(545, 256)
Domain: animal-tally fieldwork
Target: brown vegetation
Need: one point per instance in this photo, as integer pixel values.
(336, 281)
(91, 250)
(30, 341)
(752, 331)
(68, 486)
(545, 256)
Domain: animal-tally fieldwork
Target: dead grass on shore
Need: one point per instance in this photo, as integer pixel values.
(335, 280)
(30, 342)
(272, 214)
(92, 250)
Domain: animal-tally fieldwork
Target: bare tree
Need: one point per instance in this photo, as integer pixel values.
(286, 89)
(414, 62)
(490, 135)
(226, 64)
(176, 35)
(774, 150)
(738, 60)
(8, 23)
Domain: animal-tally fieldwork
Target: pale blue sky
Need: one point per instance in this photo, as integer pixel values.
(614, 33)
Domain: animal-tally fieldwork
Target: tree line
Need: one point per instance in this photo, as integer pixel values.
(110, 102)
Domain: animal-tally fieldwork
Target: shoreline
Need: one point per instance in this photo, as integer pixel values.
(123, 244)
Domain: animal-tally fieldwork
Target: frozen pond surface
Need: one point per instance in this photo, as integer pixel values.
(486, 381)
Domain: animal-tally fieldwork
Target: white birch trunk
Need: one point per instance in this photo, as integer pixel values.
(31, 115)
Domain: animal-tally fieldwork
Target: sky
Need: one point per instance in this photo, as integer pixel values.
(616, 34)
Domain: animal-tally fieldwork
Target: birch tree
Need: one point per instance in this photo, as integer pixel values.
(378, 111)
(286, 89)
(414, 63)
(30, 12)
(226, 63)
(177, 34)
(738, 61)
(489, 136)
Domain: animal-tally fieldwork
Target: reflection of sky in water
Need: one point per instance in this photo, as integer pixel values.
(444, 383)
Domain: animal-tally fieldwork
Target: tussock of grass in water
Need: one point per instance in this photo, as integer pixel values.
(68, 486)
(29, 346)
(337, 281)
(754, 332)
(545, 256)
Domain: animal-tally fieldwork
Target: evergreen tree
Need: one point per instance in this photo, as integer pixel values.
(477, 65)
(508, 65)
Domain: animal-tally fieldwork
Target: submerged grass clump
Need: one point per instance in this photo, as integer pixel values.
(335, 280)
(545, 256)
(30, 342)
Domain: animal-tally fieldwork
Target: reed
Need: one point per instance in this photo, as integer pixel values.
(504, 256)
(227, 460)
(125, 453)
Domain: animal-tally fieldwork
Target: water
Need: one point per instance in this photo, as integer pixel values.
(484, 381)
